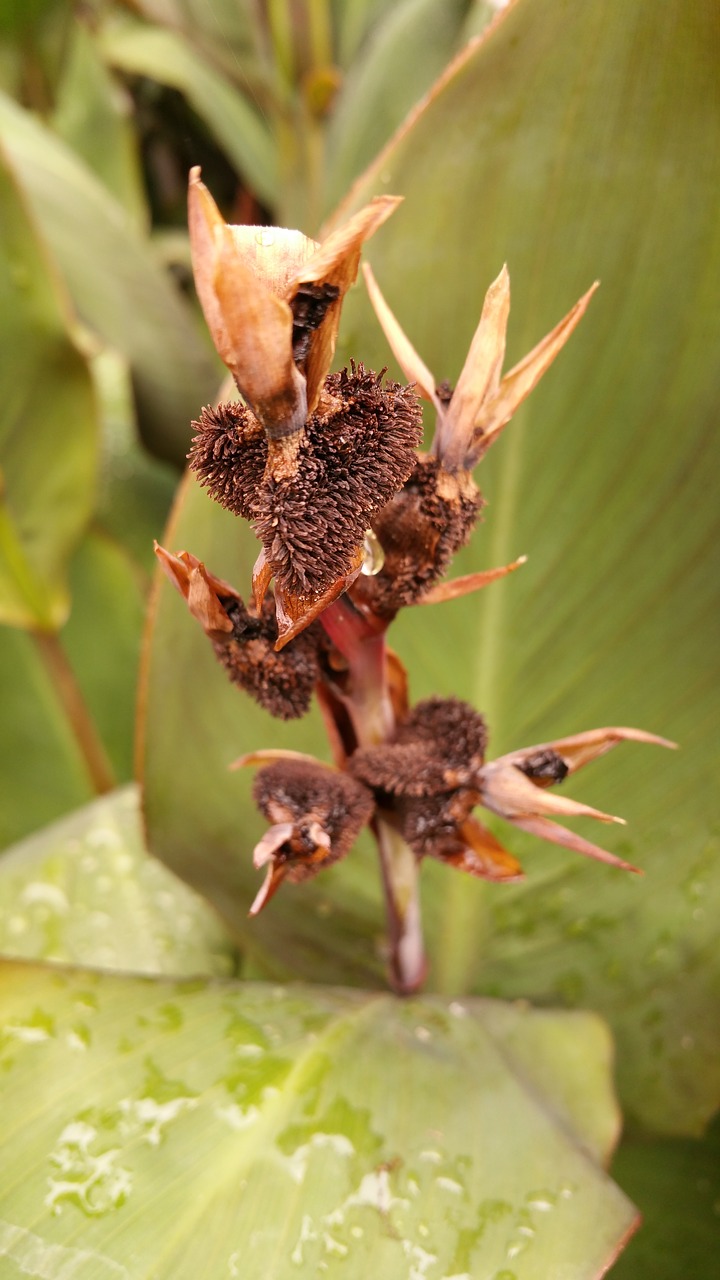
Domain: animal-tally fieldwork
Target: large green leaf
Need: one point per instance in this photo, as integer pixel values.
(247, 1130)
(84, 891)
(48, 426)
(115, 282)
(603, 480)
(560, 143)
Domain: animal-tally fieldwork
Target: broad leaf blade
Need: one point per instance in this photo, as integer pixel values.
(278, 1133)
(48, 426)
(84, 891)
(114, 280)
(569, 174)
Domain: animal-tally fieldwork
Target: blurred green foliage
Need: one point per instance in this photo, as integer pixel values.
(574, 141)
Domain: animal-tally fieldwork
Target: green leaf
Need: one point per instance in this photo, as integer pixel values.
(48, 427)
(238, 127)
(557, 145)
(84, 892)
(114, 279)
(93, 115)
(403, 55)
(526, 155)
(246, 1130)
(677, 1187)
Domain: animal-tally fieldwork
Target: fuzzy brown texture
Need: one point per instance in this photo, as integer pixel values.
(544, 766)
(304, 794)
(281, 682)
(354, 455)
(228, 454)
(420, 531)
(351, 461)
(427, 777)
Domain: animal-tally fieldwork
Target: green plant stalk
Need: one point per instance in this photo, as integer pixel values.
(81, 723)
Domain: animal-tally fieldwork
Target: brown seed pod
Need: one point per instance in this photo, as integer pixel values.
(283, 682)
(420, 530)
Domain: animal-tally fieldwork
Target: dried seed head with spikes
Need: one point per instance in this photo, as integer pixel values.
(316, 815)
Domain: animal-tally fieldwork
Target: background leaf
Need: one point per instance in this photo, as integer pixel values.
(327, 1128)
(48, 426)
(84, 891)
(132, 305)
(557, 144)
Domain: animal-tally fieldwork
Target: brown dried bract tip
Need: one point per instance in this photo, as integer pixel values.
(316, 814)
(420, 531)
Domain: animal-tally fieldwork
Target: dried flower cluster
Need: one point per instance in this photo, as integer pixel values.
(354, 524)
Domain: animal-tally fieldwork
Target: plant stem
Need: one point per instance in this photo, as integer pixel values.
(81, 723)
(370, 707)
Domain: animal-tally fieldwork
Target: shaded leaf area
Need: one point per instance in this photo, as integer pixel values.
(133, 306)
(338, 1133)
(570, 128)
(48, 426)
(677, 1187)
(238, 126)
(85, 892)
(562, 145)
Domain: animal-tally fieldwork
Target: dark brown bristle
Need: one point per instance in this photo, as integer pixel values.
(283, 682)
(228, 454)
(420, 530)
(351, 461)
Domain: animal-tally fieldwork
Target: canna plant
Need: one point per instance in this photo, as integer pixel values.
(354, 525)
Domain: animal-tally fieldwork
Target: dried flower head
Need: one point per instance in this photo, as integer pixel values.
(316, 815)
(354, 524)
(244, 639)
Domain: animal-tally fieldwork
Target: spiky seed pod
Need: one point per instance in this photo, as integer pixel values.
(427, 776)
(324, 811)
(356, 452)
(228, 454)
(281, 682)
(420, 530)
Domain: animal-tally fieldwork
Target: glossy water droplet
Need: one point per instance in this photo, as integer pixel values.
(374, 556)
(265, 237)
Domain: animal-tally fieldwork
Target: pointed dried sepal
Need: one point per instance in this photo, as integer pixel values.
(200, 589)
(410, 362)
(479, 854)
(509, 792)
(275, 875)
(457, 587)
(552, 831)
(549, 762)
(499, 407)
(271, 755)
(250, 325)
(296, 612)
(480, 376)
(335, 265)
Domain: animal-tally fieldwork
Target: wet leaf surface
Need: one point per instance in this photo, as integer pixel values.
(256, 1131)
(84, 891)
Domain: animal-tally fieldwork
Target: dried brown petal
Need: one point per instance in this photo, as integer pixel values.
(454, 588)
(412, 365)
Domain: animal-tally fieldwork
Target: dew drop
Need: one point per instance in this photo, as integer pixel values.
(265, 237)
(373, 557)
